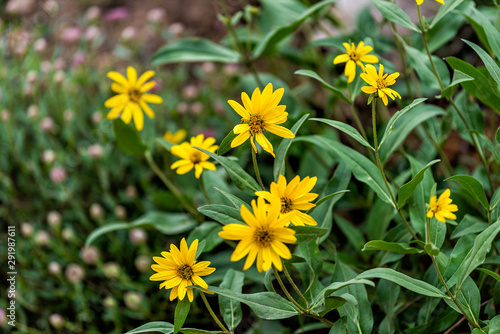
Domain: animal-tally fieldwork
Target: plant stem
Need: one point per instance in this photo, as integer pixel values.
(256, 168)
(381, 168)
(355, 114)
(212, 313)
(403, 59)
(294, 286)
(202, 183)
(287, 294)
(177, 193)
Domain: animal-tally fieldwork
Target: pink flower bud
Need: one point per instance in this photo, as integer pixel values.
(156, 15)
(51, 6)
(131, 191)
(231, 69)
(182, 108)
(32, 111)
(176, 29)
(91, 33)
(197, 108)
(129, 33)
(208, 67)
(68, 115)
(93, 13)
(74, 273)
(3, 317)
(138, 236)
(5, 115)
(59, 77)
(19, 6)
(59, 63)
(71, 34)
(89, 254)
(96, 211)
(58, 174)
(42, 238)
(31, 76)
(48, 157)
(116, 14)
(47, 124)
(54, 268)
(54, 219)
(56, 320)
(46, 66)
(40, 45)
(95, 151)
(67, 234)
(78, 59)
(96, 117)
(120, 212)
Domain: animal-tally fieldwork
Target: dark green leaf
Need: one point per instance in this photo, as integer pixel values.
(458, 77)
(443, 10)
(208, 232)
(490, 64)
(395, 14)
(407, 189)
(332, 288)
(326, 198)
(181, 313)
(314, 75)
(222, 213)
(473, 186)
(230, 308)
(308, 233)
(469, 225)
(394, 247)
(489, 272)
(347, 129)
(155, 326)
(225, 145)
(127, 138)
(236, 201)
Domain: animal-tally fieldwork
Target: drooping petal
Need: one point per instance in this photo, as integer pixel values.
(266, 145)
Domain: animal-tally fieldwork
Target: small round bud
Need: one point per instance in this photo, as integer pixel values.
(59, 77)
(42, 238)
(32, 111)
(231, 69)
(197, 108)
(143, 263)
(95, 151)
(182, 108)
(51, 6)
(132, 300)
(45, 66)
(91, 33)
(120, 212)
(110, 302)
(40, 45)
(89, 254)
(96, 117)
(96, 211)
(190, 92)
(156, 15)
(67, 234)
(26, 229)
(111, 270)
(68, 115)
(48, 157)
(93, 13)
(74, 273)
(54, 219)
(58, 174)
(59, 64)
(31, 76)
(131, 191)
(54, 268)
(176, 28)
(129, 33)
(47, 124)
(5, 115)
(208, 67)
(56, 320)
(71, 35)
(138, 236)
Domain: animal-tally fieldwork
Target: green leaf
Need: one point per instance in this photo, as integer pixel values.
(222, 213)
(194, 50)
(395, 14)
(230, 308)
(458, 77)
(419, 60)
(208, 232)
(326, 198)
(197, 331)
(443, 10)
(490, 64)
(314, 75)
(390, 125)
(469, 225)
(407, 189)
(236, 201)
(165, 144)
(347, 129)
(340, 326)
(412, 284)
(127, 138)
(155, 326)
(166, 223)
(308, 233)
(491, 32)
(489, 272)
(476, 255)
(225, 145)
(279, 161)
(241, 179)
(181, 313)
(352, 233)
(265, 305)
(278, 34)
(480, 87)
(332, 288)
(394, 247)
(473, 186)
(495, 199)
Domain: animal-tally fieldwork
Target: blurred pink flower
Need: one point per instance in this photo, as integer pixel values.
(5, 115)
(91, 33)
(19, 6)
(176, 28)
(131, 191)
(74, 273)
(78, 59)
(208, 67)
(93, 13)
(40, 45)
(56, 320)
(197, 108)
(45, 66)
(51, 6)
(210, 132)
(182, 108)
(120, 212)
(156, 15)
(189, 92)
(157, 87)
(95, 151)
(129, 33)
(59, 63)
(89, 254)
(138, 236)
(71, 34)
(47, 124)
(96, 117)
(115, 14)
(58, 174)
(31, 76)
(59, 77)
(26, 229)
(142, 263)
(96, 211)
(42, 238)
(54, 268)
(54, 219)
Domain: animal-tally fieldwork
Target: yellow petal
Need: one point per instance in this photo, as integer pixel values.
(151, 98)
(131, 76)
(341, 59)
(145, 77)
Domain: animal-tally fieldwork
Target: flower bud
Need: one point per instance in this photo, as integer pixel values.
(176, 29)
(54, 219)
(51, 6)
(231, 69)
(109, 302)
(89, 254)
(142, 263)
(96, 117)
(129, 33)
(197, 108)
(31, 76)
(56, 320)
(59, 64)
(54, 268)
(208, 67)
(68, 115)
(94, 151)
(19, 7)
(59, 77)
(182, 108)
(42, 238)
(116, 14)
(131, 191)
(5, 115)
(74, 273)
(93, 13)
(96, 211)
(111, 270)
(40, 45)
(47, 124)
(156, 15)
(32, 111)
(91, 33)
(132, 300)
(26, 229)
(120, 212)
(48, 157)
(58, 174)
(67, 234)
(78, 59)
(190, 92)
(138, 236)
(45, 66)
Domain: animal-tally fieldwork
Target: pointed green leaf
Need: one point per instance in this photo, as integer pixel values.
(127, 138)
(236, 201)
(222, 213)
(347, 129)
(394, 247)
(153, 327)
(458, 77)
(308, 233)
(443, 10)
(490, 64)
(181, 313)
(407, 189)
(230, 308)
(489, 272)
(225, 145)
(326, 198)
(314, 75)
(395, 14)
(473, 186)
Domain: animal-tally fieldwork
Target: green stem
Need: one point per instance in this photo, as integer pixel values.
(427, 48)
(212, 313)
(381, 168)
(202, 183)
(295, 287)
(256, 168)
(287, 294)
(177, 193)
(355, 114)
(403, 59)
(428, 231)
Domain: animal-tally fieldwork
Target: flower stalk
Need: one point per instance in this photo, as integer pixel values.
(219, 323)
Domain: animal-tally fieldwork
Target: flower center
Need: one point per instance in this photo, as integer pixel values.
(195, 157)
(354, 56)
(256, 124)
(286, 205)
(134, 95)
(381, 84)
(434, 208)
(263, 237)
(185, 271)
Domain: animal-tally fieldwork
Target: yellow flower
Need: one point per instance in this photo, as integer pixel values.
(131, 97)
(262, 237)
(260, 113)
(355, 55)
(192, 157)
(442, 208)
(293, 197)
(178, 269)
(419, 2)
(379, 82)
(175, 138)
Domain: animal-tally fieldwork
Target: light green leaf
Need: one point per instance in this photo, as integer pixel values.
(458, 77)
(166, 223)
(490, 64)
(469, 225)
(278, 34)
(495, 199)
(241, 179)
(491, 32)
(308, 233)
(236, 201)
(332, 288)
(407, 189)
(394, 247)
(127, 138)
(279, 161)
(266, 305)
(489, 272)
(347, 129)
(165, 144)
(225, 145)
(222, 213)
(473, 186)
(194, 50)
(412, 284)
(395, 14)
(314, 75)
(155, 326)
(208, 232)
(443, 10)
(230, 308)
(326, 198)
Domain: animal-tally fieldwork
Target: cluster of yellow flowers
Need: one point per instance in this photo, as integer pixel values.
(265, 232)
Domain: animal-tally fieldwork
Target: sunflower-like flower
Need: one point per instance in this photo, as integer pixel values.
(379, 83)
(442, 207)
(179, 269)
(419, 2)
(294, 197)
(258, 114)
(355, 56)
(175, 138)
(192, 157)
(131, 97)
(263, 237)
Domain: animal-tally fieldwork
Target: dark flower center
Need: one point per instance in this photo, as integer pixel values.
(286, 205)
(263, 237)
(185, 271)
(134, 95)
(256, 124)
(354, 56)
(195, 157)
(381, 84)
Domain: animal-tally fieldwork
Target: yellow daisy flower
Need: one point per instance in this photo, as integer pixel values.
(419, 2)
(260, 113)
(379, 82)
(131, 97)
(263, 237)
(192, 157)
(294, 197)
(175, 138)
(178, 269)
(355, 55)
(442, 208)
